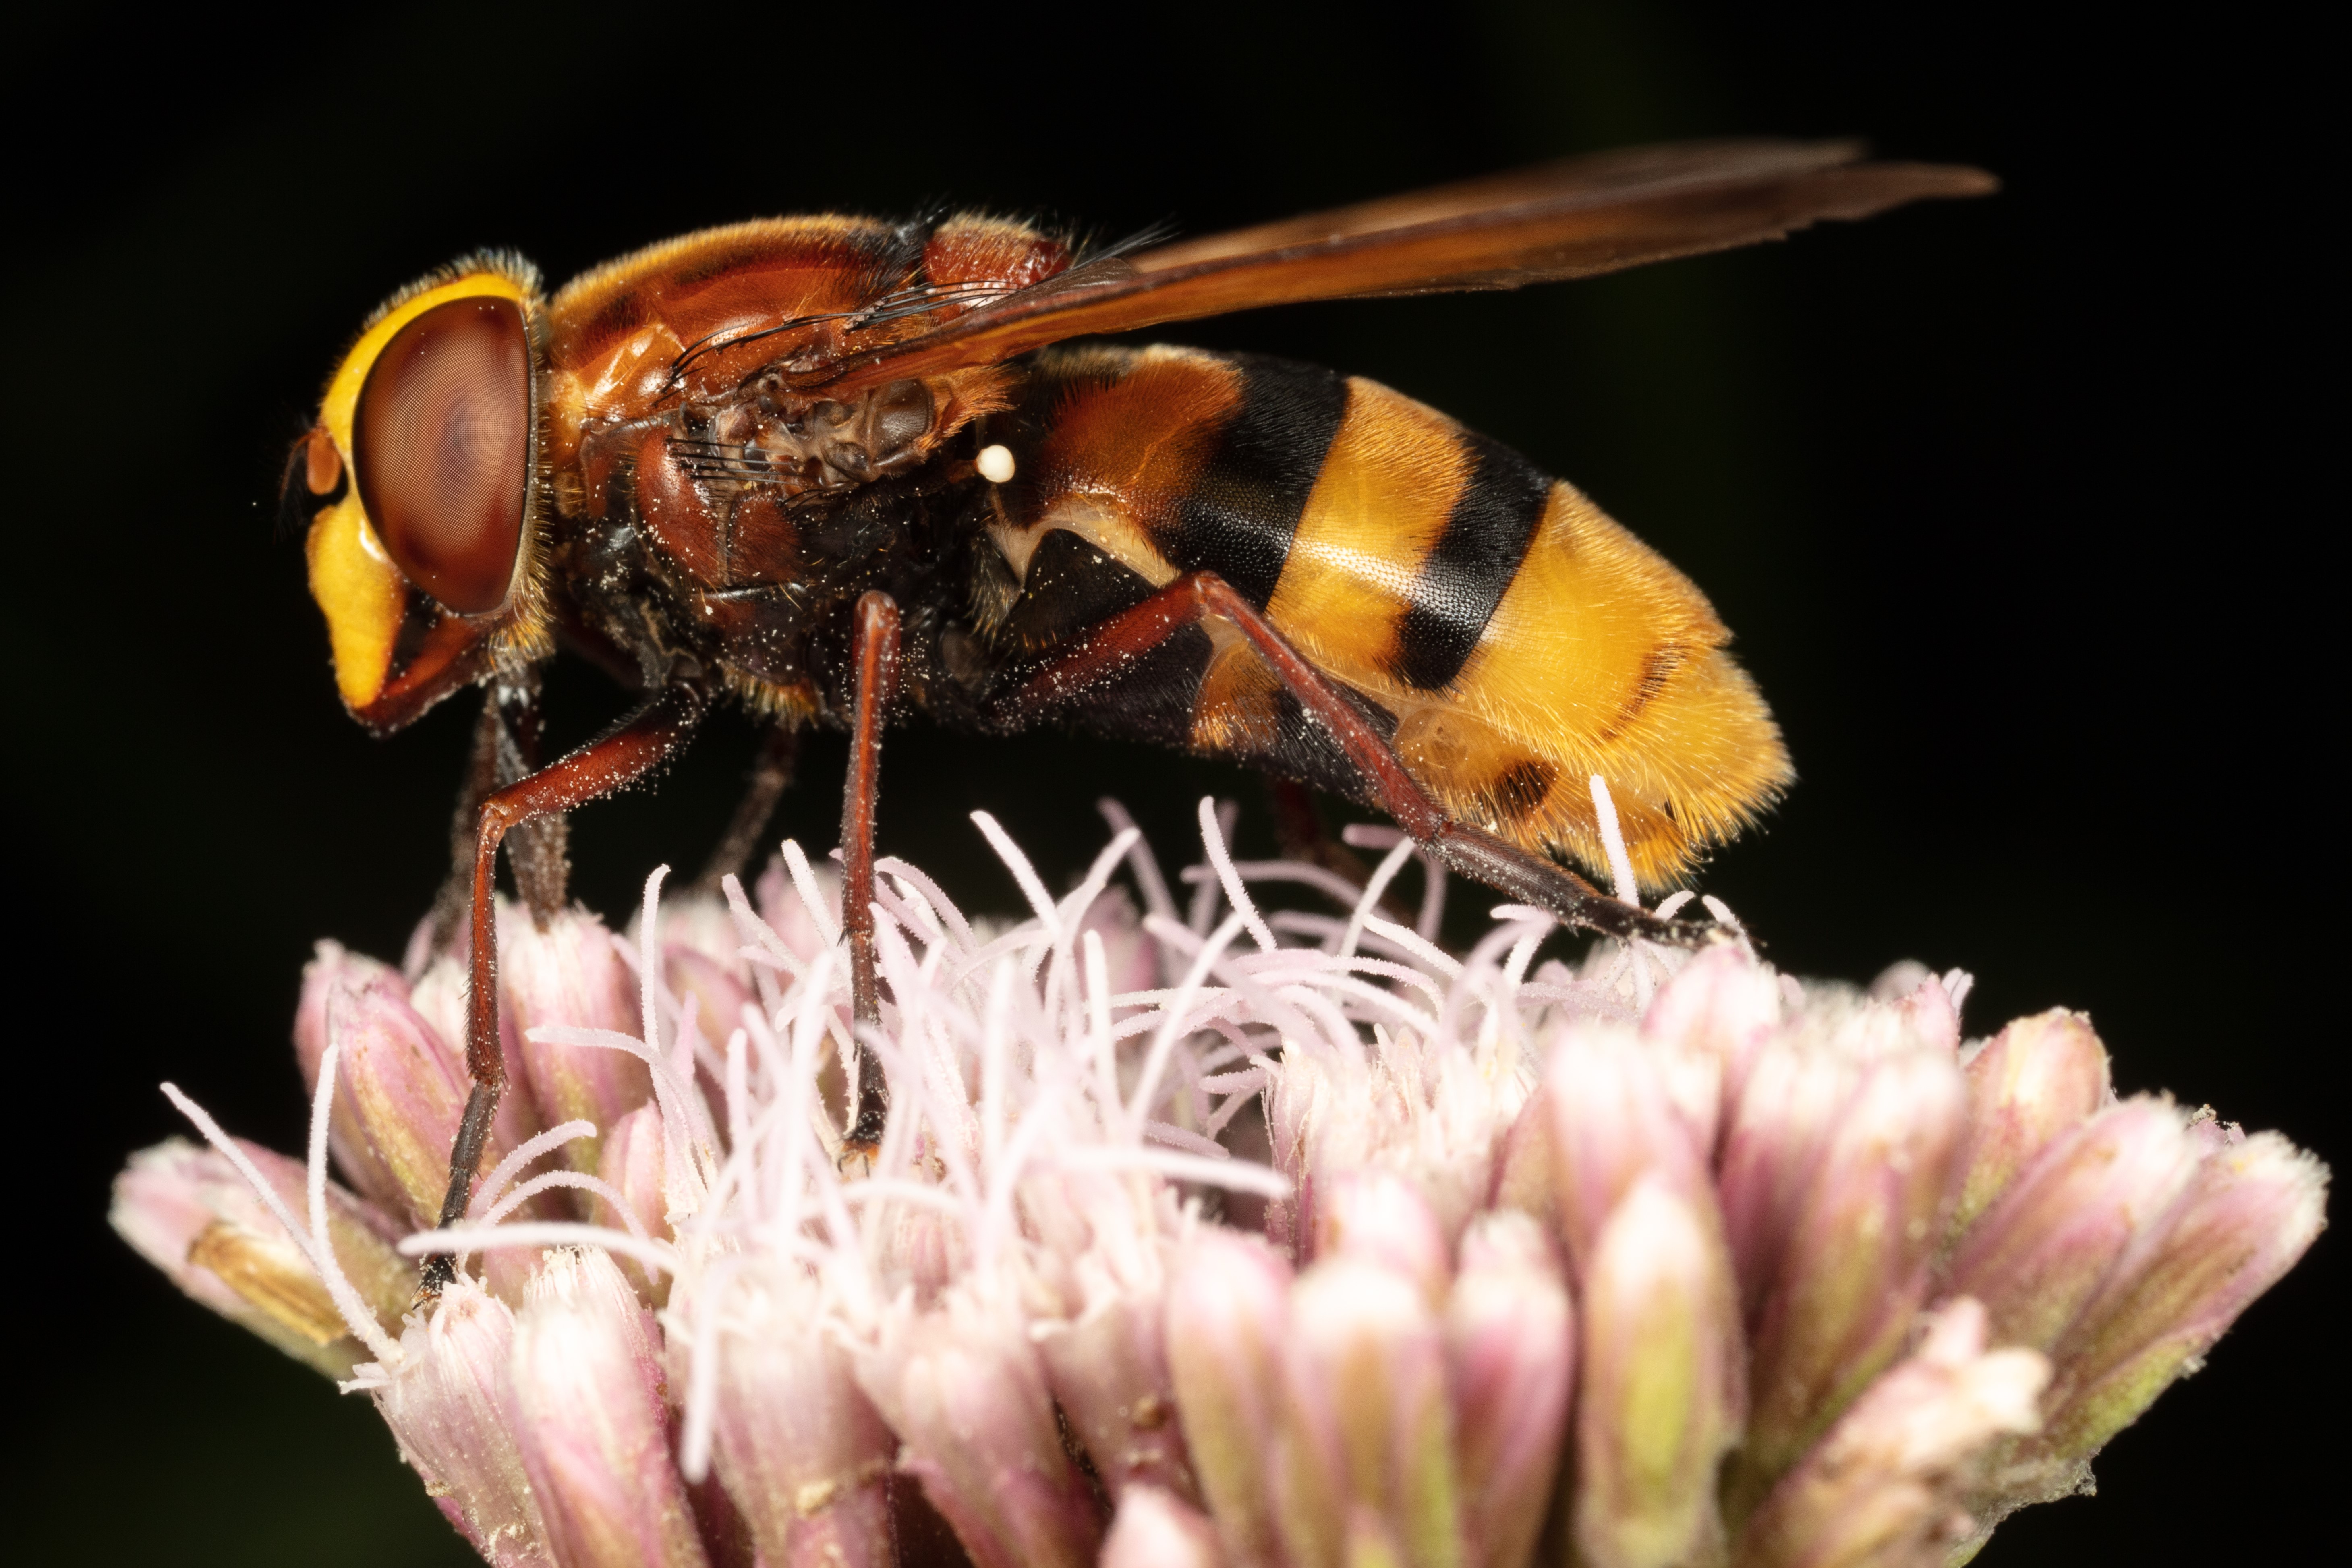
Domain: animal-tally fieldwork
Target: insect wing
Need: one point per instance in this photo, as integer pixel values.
(1575, 218)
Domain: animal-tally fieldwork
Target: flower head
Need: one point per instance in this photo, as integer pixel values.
(1667, 1258)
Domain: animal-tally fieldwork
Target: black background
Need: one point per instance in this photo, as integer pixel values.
(2016, 506)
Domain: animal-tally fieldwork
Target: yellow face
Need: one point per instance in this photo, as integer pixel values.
(423, 453)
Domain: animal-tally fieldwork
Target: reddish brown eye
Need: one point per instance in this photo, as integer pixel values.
(441, 441)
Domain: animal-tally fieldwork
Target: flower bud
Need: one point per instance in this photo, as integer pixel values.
(1694, 1085)
(1367, 1467)
(1154, 1529)
(449, 1405)
(186, 1210)
(334, 969)
(1108, 1372)
(1510, 1343)
(706, 989)
(1612, 1123)
(440, 996)
(922, 1250)
(1101, 1264)
(795, 1440)
(1786, 1112)
(407, 1092)
(630, 1161)
(1916, 994)
(1723, 1004)
(2028, 1084)
(585, 1387)
(1855, 1269)
(2036, 1260)
(703, 966)
(2251, 1209)
(1661, 1396)
(1884, 1486)
(1379, 1217)
(1523, 1173)
(781, 906)
(699, 923)
(962, 1386)
(571, 973)
(1055, 1213)
(1130, 958)
(1228, 1302)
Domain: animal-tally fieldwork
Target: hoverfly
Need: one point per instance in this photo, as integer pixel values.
(837, 470)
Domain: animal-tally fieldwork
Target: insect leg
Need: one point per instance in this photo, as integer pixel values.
(1110, 649)
(481, 776)
(538, 855)
(506, 750)
(875, 659)
(771, 776)
(626, 753)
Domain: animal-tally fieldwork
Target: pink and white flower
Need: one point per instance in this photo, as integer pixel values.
(1664, 1259)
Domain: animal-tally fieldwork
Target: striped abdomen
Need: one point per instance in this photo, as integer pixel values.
(1520, 640)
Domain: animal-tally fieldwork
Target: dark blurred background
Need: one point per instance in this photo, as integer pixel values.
(2015, 505)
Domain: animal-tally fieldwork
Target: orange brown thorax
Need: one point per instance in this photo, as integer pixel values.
(640, 371)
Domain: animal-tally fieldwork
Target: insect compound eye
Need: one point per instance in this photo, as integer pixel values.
(441, 443)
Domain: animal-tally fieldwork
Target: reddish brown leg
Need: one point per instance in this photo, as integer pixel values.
(645, 738)
(1112, 646)
(875, 657)
(771, 776)
(505, 751)
(538, 855)
(451, 906)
